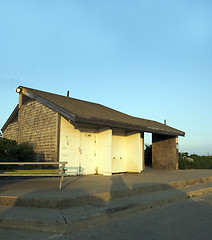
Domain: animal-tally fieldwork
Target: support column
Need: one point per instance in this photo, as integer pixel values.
(134, 152)
(104, 151)
(164, 152)
(142, 152)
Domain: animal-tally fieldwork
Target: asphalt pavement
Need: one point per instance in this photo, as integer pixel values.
(187, 219)
(88, 201)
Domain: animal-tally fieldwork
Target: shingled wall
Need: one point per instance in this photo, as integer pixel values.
(164, 152)
(37, 125)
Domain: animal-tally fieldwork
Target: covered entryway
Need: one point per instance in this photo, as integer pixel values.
(127, 151)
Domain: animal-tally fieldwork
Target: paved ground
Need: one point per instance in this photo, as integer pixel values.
(88, 201)
(188, 219)
(88, 185)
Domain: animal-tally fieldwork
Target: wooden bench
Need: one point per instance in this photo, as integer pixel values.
(60, 171)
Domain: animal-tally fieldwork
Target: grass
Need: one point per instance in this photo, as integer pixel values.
(194, 161)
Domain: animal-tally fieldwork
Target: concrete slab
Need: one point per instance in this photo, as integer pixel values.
(88, 185)
(80, 190)
(86, 216)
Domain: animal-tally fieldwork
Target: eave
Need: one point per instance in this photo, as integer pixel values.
(131, 127)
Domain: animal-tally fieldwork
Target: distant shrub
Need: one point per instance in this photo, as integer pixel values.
(194, 161)
(11, 151)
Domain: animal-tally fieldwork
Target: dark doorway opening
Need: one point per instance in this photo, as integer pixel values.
(148, 149)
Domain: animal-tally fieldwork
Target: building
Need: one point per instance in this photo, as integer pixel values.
(92, 138)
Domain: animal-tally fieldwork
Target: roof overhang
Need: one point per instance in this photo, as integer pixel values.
(131, 127)
(74, 118)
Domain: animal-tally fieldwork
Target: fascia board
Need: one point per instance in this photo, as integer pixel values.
(108, 123)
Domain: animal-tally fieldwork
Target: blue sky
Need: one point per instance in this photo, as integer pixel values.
(150, 59)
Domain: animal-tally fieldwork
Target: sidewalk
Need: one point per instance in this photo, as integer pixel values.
(93, 184)
(85, 201)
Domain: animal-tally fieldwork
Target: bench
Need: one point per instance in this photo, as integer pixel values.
(60, 171)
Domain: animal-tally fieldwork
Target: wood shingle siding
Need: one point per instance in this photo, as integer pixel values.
(35, 124)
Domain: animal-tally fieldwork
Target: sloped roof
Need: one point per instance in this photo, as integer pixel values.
(80, 111)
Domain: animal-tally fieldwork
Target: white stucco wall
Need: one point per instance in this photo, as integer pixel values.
(119, 151)
(87, 151)
(133, 153)
(103, 151)
(128, 151)
(68, 149)
(78, 148)
(142, 152)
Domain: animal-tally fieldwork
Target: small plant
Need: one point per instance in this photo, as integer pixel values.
(96, 171)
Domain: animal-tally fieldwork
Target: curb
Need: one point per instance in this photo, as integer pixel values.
(94, 198)
(199, 192)
(113, 214)
(98, 219)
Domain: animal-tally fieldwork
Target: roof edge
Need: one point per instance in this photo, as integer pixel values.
(70, 116)
(11, 117)
(110, 123)
(63, 112)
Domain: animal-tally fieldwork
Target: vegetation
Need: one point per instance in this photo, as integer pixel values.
(186, 161)
(11, 151)
(194, 161)
(148, 155)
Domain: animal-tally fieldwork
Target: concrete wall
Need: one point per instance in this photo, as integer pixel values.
(87, 150)
(104, 151)
(37, 125)
(142, 152)
(78, 146)
(69, 150)
(164, 152)
(128, 151)
(134, 152)
(119, 151)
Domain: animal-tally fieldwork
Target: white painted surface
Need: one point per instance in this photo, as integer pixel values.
(133, 152)
(68, 147)
(104, 151)
(87, 151)
(128, 152)
(142, 160)
(119, 151)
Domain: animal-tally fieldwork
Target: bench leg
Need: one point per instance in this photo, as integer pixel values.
(61, 181)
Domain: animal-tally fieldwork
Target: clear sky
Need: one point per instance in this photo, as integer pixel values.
(150, 59)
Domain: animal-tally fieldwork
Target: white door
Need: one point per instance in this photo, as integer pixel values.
(87, 149)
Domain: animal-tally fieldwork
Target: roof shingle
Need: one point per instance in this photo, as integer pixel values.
(98, 114)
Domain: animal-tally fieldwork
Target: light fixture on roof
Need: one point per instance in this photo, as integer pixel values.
(18, 90)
